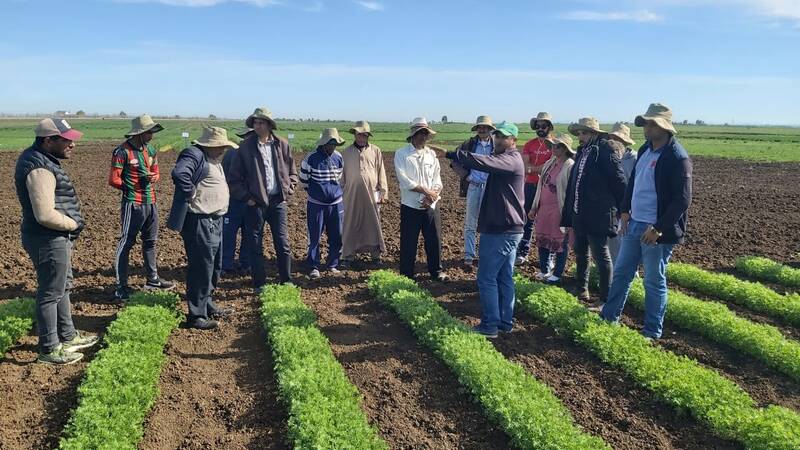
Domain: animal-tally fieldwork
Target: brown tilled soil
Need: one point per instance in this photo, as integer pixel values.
(218, 389)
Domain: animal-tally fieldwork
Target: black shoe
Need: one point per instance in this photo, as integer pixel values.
(158, 283)
(221, 313)
(203, 324)
(121, 294)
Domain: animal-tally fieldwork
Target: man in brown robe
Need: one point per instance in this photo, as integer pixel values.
(365, 189)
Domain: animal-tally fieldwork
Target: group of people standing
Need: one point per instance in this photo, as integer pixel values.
(603, 198)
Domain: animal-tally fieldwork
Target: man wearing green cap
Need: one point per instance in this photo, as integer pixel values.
(134, 172)
(500, 223)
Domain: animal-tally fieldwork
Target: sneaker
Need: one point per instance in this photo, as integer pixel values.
(484, 332)
(442, 277)
(345, 264)
(596, 308)
(158, 283)
(121, 294)
(581, 293)
(79, 342)
(59, 356)
(552, 279)
(203, 324)
(314, 274)
(334, 270)
(520, 260)
(539, 276)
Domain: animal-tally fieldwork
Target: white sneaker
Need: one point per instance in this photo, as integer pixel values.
(540, 276)
(521, 260)
(314, 274)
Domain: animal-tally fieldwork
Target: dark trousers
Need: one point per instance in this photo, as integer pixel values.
(599, 249)
(231, 224)
(255, 218)
(137, 220)
(52, 259)
(326, 218)
(525, 244)
(202, 239)
(412, 221)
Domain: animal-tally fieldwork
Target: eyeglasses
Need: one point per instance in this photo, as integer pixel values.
(541, 125)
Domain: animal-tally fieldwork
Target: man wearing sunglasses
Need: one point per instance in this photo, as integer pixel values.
(51, 221)
(535, 154)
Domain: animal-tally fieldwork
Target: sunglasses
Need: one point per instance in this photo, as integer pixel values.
(541, 125)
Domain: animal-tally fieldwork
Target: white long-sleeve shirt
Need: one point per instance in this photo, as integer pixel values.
(416, 168)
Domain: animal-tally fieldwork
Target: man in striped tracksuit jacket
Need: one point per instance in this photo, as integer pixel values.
(134, 171)
(320, 174)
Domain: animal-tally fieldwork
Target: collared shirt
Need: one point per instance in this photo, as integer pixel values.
(416, 168)
(644, 201)
(482, 148)
(270, 180)
(211, 194)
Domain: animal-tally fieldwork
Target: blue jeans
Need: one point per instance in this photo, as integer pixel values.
(231, 224)
(474, 196)
(496, 280)
(561, 260)
(654, 258)
(326, 218)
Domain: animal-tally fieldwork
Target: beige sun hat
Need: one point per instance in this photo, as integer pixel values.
(483, 120)
(143, 124)
(622, 131)
(329, 134)
(585, 123)
(417, 125)
(262, 112)
(565, 140)
(658, 113)
(361, 127)
(214, 137)
(542, 116)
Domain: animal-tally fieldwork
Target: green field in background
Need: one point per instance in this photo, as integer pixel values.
(776, 144)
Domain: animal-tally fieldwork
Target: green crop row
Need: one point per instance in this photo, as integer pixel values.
(729, 288)
(526, 408)
(719, 324)
(323, 405)
(716, 401)
(16, 319)
(768, 270)
(121, 383)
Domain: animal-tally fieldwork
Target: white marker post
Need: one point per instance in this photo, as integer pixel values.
(185, 136)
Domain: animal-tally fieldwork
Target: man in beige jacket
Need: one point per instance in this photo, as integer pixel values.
(51, 222)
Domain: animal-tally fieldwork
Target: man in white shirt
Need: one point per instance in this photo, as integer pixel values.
(419, 176)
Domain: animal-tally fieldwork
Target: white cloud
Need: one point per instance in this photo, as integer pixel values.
(371, 6)
(781, 9)
(604, 16)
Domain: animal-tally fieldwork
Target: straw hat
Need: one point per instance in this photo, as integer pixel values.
(242, 133)
(542, 116)
(419, 124)
(214, 137)
(143, 124)
(262, 112)
(622, 131)
(483, 120)
(362, 126)
(565, 140)
(329, 134)
(585, 123)
(658, 113)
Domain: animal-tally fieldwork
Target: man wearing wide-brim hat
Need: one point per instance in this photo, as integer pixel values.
(594, 195)
(365, 190)
(535, 153)
(654, 217)
(263, 175)
(500, 222)
(200, 202)
(233, 222)
(321, 175)
(622, 134)
(419, 176)
(51, 222)
(134, 171)
(472, 184)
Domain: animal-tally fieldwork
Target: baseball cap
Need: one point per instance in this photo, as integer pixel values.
(507, 129)
(57, 127)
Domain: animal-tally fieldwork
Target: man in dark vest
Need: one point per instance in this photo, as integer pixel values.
(51, 222)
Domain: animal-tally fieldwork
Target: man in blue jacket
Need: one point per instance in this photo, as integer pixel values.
(654, 216)
(500, 222)
(320, 173)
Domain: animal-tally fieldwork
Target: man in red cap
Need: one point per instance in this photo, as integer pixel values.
(51, 221)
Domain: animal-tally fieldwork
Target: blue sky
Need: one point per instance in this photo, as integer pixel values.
(732, 61)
